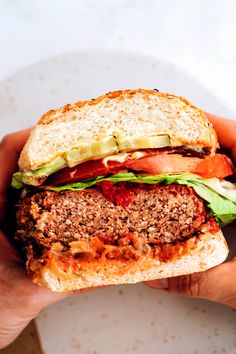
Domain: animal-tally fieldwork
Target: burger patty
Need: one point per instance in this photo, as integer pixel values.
(160, 214)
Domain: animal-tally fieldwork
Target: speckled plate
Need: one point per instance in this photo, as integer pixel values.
(121, 319)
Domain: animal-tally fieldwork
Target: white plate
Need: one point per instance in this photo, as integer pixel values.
(122, 319)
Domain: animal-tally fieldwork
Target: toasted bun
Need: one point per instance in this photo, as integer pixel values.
(206, 251)
(130, 112)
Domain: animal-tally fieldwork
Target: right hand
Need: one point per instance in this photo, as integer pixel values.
(218, 283)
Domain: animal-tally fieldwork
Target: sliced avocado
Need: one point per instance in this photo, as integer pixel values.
(142, 142)
(101, 148)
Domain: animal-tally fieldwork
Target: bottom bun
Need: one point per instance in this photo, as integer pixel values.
(204, 251)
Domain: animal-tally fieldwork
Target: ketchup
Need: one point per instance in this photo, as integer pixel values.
(119, 193)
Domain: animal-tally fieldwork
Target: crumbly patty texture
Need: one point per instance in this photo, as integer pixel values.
(164, 214)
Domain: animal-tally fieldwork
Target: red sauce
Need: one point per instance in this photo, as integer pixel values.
(170, 252)
(119, 193)
(200, 220)
(127, 248)
(213, 226)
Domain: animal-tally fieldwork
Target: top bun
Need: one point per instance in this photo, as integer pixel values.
(131, 113)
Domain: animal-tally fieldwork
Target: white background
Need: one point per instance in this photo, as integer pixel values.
(198, 35)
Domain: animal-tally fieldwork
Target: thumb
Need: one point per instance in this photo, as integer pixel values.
(216, 284)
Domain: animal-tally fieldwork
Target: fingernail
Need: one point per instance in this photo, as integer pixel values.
(160, 283)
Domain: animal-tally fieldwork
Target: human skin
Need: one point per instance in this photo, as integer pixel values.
(20, 299)
(218, 283)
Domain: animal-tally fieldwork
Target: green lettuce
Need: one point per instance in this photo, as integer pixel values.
(17, 180)
(221, 199)
(35, 178)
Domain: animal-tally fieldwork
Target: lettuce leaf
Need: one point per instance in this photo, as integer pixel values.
(221, 204)
(17, 180)
(223, 209)
(34, 178)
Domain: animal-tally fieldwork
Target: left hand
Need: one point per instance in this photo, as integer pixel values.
(20, 299)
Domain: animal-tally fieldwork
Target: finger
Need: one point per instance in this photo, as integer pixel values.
(216, 284)
(226, 132)
(10, 148)
(8, 252)
(44, 297)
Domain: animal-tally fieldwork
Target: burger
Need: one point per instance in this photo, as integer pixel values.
(124, 188)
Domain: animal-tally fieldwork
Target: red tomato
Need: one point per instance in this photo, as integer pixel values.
(213, 166)
(163, 164)
(208, 167)
(85, 170)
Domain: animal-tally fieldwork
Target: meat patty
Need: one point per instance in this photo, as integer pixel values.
(163, 214)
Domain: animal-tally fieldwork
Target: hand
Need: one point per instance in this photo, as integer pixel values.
(20, 299)
(218, 283)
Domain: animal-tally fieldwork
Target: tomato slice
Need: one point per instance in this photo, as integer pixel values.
(214, 166)
(164, 164)
(208, 167)
(85, 170)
